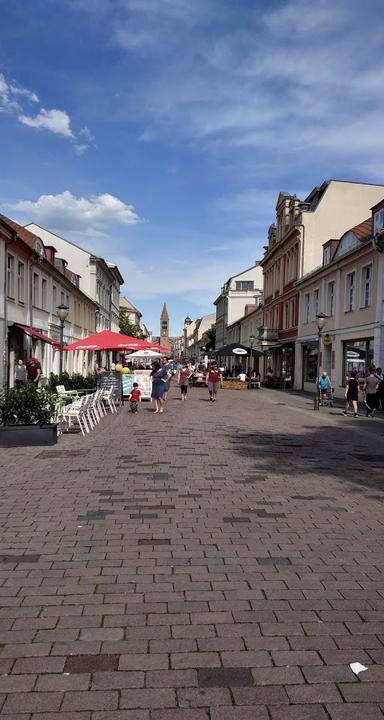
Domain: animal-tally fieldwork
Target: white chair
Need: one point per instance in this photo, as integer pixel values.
(77, 411)
(108, 399)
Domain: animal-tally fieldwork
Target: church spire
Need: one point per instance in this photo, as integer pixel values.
(164, 327)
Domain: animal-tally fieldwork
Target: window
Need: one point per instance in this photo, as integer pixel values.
(11, 276)
(358, 355)
(366, 282)
(35, 287)
(62, 298)
(307, 307)
(244, 285)
(310, 363)
(315, 303)
(293, 313)
(350, 292)
(54, 298)
(327, 255)
(286, 315)
(44, 294)
(331, 299)
(20, 282)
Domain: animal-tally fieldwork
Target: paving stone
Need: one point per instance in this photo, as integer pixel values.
(224, 677)
(91, 663)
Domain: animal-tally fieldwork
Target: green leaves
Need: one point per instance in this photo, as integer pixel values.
(27, 406)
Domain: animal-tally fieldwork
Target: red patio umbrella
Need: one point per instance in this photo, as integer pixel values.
(107, 340)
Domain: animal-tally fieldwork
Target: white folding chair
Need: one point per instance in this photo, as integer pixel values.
(76, 411)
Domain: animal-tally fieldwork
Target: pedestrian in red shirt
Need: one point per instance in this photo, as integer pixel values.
(135, 398)
(214, 379)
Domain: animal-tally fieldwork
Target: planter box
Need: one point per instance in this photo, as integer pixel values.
(28, 435)
(234, 385)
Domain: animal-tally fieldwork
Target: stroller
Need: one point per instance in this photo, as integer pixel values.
(325, 395)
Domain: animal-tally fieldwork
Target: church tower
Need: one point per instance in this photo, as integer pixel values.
(164, 327)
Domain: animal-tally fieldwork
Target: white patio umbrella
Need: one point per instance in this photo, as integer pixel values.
(150, 354)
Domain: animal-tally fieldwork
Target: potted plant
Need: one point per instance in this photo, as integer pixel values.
(25, 417)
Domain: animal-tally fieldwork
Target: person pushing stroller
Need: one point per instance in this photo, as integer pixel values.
(325, 389)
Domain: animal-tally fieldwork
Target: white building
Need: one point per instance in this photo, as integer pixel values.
(245, 288)
(33, 283)
(99, 279)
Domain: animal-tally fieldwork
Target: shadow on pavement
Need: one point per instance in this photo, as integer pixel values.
(323, 451)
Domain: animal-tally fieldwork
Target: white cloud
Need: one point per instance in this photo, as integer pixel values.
(67, 213)
(57, 121)
(9, 94)
(16, 100)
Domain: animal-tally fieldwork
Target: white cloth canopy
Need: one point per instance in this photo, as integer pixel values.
(144, 354)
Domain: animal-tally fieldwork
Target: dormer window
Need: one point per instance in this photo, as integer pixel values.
(327, 255)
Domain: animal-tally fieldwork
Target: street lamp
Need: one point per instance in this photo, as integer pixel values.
(251, 342)
(321, 319)
(62, 312)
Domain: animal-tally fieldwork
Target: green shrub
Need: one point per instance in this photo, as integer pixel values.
(73, 382)
(27, 406)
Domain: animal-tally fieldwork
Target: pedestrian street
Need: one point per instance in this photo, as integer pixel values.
(219, 561)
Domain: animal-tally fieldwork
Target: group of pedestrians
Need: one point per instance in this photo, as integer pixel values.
(162, 374)
(373, 388)
(29, 372)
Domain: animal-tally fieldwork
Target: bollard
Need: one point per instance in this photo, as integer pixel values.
(316, 402)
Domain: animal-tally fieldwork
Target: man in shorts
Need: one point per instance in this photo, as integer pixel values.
(214, 379)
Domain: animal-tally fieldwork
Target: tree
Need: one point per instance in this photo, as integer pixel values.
(209, 338)
(128, 328)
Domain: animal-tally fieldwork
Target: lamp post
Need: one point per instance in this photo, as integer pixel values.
(321, 319)
(62, 312)
(251, 342)
(187, 323)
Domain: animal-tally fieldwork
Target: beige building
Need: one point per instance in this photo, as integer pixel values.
(130, 311)
(348, 288)
(239, 290)
(245, 331)
(295, 248)
(195, 335)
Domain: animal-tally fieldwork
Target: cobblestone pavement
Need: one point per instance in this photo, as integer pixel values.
(222, 561)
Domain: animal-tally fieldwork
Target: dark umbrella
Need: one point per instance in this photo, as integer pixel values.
(237, 349)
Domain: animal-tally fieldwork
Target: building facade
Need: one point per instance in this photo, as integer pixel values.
(98, 279)
(34, 283)
(195, 335)
(238, 291)
(295, 247)
(348, 289)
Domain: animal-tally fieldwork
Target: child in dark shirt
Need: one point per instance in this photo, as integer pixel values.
(135, 398)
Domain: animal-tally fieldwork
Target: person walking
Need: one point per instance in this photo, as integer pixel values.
(183, 380)
(325, 387)
(159, 376)
(21, 374)
(371, 386)
(168, 367)
(214, 379)
(380, 390)
(351, 392)
(135, 398)
(33, 371)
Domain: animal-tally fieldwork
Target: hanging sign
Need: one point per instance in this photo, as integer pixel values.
(239, 351)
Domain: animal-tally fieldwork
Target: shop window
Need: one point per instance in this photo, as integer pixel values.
(11, 276)
(366, 284)
(357, 355)
(20, 282)
(310, 362)
(350, 282)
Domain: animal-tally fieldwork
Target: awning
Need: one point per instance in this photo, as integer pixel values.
(40, 336)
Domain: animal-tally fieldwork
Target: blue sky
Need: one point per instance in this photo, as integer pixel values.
(158, 133)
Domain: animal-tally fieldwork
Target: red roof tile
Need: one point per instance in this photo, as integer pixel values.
(26, 235)
(363, 230)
